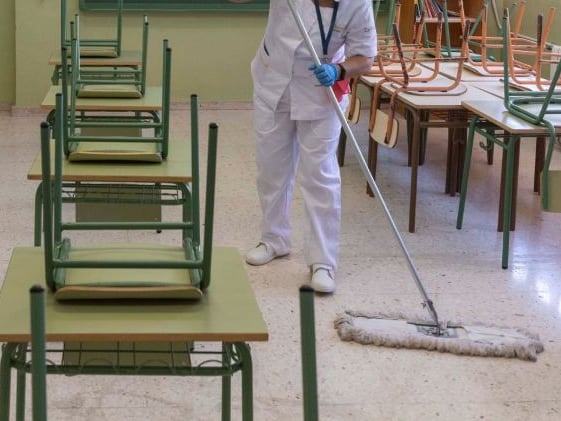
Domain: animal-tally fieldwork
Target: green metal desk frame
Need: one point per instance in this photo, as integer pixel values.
(228, 314)
(498, 127)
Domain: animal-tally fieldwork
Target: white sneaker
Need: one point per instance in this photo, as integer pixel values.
(260, 255)
(323, 279)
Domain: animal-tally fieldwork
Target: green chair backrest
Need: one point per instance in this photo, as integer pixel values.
(113, 44)
(158, 122)
(107, 76)
(196, 256)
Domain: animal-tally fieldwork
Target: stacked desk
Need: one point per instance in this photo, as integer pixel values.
(492, 116)
(175, 171)
(419, 107)
(228, 314)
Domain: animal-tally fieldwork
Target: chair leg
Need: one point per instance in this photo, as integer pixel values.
(539, 162)
(308, 345)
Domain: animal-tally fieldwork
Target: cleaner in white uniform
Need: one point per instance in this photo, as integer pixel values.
(297, 127)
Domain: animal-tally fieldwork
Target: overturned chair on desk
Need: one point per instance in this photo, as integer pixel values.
(383, 126)
(127, 270)
(86, 135)
(94, 47)
(538, 113)
(107, 82)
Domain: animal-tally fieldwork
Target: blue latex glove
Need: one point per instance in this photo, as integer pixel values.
(326, 73)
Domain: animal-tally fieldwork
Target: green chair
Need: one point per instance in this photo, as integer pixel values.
(94, 47)
(541, 108)
(538, 108)
(308, 352)
(127, 270)
(107, 82)
(143, 145)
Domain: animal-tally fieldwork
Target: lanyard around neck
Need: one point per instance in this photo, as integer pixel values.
(325, 39)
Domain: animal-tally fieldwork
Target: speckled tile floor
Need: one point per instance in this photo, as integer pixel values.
(460, 269)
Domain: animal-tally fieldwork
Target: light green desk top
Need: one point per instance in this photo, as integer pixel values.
(495, 112)
(151, 101)
(228, 311)
(126, 58)
(175, 169)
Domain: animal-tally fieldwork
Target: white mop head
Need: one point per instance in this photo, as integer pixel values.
(393, 330)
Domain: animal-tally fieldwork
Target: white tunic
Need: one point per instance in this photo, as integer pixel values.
(282, 58)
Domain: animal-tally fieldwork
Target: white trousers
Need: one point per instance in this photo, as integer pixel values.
(282, 147)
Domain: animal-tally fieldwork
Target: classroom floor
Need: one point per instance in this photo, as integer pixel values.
(461, 271)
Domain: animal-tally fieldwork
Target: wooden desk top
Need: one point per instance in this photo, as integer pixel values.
(175, 169)
(442, 101)
(228, 311)
(127, 58)
(450, 70)
(151, 101)
(495, 112)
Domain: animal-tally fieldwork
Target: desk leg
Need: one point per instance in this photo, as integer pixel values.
(539, 162)
(5, 379)
(410, 120)
(38, 215)
(511, 147)
(465, 172)
(512, 174)
(247, 380)
(20, 384)
(226, 385)
(415, 146)
(341, 148)
(372, 163)
(456, 147)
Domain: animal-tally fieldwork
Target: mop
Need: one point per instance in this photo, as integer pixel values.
(397, 330)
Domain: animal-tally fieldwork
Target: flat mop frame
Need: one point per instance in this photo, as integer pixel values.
(435, 329)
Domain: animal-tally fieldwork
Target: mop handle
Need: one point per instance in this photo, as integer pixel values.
(427, 302)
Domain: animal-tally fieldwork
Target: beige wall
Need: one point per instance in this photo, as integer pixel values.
(211, 51)
(7, 61)
(533, 8)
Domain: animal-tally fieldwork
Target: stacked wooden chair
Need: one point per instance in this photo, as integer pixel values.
(383, 126)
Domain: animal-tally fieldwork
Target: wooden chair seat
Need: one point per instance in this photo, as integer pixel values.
(109, 91)
(101, 151)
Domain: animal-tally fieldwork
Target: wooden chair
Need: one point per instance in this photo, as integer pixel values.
(528, 55)
(439, 13)
(93, 47)
(383, 126)
(127, 270)
(81, 144)
(107, 82)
